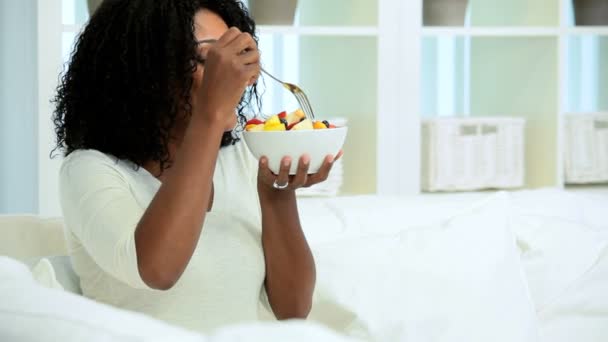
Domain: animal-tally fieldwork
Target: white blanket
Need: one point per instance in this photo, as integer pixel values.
(562, 239)
(455, 276)
(32, 313)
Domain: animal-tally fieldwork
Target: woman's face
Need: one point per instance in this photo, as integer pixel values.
(207, 25)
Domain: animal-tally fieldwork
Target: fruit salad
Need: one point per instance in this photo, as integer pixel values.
(295, 121)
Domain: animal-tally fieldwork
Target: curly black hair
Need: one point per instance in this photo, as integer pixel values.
(130, 75)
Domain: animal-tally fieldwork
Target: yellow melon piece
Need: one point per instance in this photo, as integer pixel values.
(279, 127)
(273, 120)
(304, 125)
(272, 124)
(296, 116)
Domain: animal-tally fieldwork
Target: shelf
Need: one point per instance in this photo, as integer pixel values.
(357, 31)
(596, 189)
(370, 31)
(491, 31)
(588, 30)
(341, 13)
(361, 31)
(514, 31)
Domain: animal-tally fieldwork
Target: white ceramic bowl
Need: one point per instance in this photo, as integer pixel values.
(278, 144)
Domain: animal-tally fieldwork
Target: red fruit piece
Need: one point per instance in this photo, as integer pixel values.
(254, 122)
(282, 115)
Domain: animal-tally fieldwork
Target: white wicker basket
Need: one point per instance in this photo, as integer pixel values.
(332, 185)
(460, 154)
(586, 148)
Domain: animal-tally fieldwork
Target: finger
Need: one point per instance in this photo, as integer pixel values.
(323, 172)
(283, 176)
(339, 155)
(228, 36)
(243, 43)
(264, 172)
(252, 73)
(301, 176)
(252, 69)
(250, 57)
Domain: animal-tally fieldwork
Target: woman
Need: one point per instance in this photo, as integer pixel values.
(166, 211)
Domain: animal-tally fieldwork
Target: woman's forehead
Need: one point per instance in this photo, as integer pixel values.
(208, 25)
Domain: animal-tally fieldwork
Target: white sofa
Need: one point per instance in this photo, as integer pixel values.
(384, 274)
(24, 237)
(31, 312)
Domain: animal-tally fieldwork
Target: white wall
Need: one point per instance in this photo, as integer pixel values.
(49, 68)
(18, 107)
(28, 177)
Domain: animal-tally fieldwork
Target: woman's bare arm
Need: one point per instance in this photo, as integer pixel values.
(168, 232)
(290, 267)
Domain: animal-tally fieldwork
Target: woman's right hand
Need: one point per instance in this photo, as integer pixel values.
(231, 64)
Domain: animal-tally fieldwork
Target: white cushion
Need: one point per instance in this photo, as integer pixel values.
(330, 219)
(33, 313)
(28, 236)
(564, 241)
(580, 313)
(44, 274)
(459, 279)
(56, 272)
(13, 271)
(30, 312)
(561, 236)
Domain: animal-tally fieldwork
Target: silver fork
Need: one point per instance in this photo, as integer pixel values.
(294, 89)
(298, 93)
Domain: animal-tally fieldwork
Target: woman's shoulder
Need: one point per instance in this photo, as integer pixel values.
(84, 158)
(91, 164)
(87, 156)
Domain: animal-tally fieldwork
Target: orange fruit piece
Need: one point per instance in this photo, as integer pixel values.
(319, 125)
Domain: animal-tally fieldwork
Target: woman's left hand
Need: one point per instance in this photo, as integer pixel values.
(284, 181)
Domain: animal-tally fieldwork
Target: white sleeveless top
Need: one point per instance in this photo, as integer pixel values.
(102, 201)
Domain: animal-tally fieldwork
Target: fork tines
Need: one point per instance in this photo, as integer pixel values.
(305, 104)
